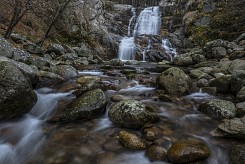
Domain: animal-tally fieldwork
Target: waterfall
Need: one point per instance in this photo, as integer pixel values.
(168, 48)
(148, 22)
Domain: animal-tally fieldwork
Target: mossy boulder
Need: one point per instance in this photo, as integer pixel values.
(174, 81)
(16, 94)
(217, 108)
(130, 114)
(188, 151)
(88, 106)
(131, 141)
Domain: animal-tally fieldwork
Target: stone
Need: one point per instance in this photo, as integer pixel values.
(219, 52)
(237, 81)
(183, 60)
(88, 83)
(48, 79)
(241, 94)
(174, 81)
(202, 83)
(237, 155)
(222, 83)
(217, 108)
(40, 62)
(188, 151)
(56, 48)
(89, 105)
(231, 128)
(131, 141)
(118, 98)
(236, 65)
(6, 49)
(198, 58)
(156, 153)
(16, 94)
(240, 109)
(65, 71)
(21, 55)
(130, 114)
(33, 48)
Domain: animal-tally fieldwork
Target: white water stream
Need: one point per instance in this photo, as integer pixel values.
(21, 140)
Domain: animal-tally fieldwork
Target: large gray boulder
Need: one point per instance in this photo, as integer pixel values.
(217, 108)
(16, 94)
(174, 81)
(130, 114)
(231, 128)
(87, 106)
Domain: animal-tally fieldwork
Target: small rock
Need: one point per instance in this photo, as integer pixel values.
(241, 94)
(156, 153)
(131, 141)
(240, 109)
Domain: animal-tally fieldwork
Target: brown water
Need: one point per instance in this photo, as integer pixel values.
(96, 141)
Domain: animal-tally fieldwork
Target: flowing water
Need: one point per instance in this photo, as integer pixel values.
(167, 46)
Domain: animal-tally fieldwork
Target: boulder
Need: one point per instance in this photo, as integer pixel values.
(48, 79)
(6, 49)
(240, 109)
(56, 48)
(21, 55)
(131, 141)
(33, 48)
(188, 151)
(174, 81)
(222, 83)
(88, 106)
(237, 81)
(183, 60)
(156, 153)
(241, 94)
(218, 52)
(130, 114)
(231, 128)
(16, 94)
(65, 71)
(40, 62)
(88, 83)
(217, 108)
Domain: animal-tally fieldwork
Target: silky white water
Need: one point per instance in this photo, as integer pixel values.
(20, 140)
(168, 48)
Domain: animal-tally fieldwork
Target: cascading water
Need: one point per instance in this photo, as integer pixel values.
(20, 140)
(167, 46)
(148, 22)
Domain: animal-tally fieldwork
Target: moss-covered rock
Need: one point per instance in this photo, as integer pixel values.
(188, 151)
(130, 114)
(87, 106)
(131, 141)
(16, 94)
(174, 81)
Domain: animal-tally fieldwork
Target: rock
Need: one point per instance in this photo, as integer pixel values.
(18, 38)
(240, 38)
(222, 83)
(48, 79)
(40, 62)
(208, 48)
(231, 128)
(198, 58)
(183, 60)
(217, 108)
(16, 94)
(237, 80)
(240, 109)
(222, 67)
(130, 114)
(156, 153)
(174, 81)
(6, 49)
(208, 63)
(88, 106)
(131, 141)
(209, 90)
(218, 52)
(202, 83)
(21, 55)
(88, 83)
(115, 62)
(33, 49)
(118, 98)
(65, 71)
(237, 155)
(235, 65)
(56, 48)
(241, 94)
(237, 55)
(188, 151)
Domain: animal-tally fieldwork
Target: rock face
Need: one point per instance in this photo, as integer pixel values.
(231, 128)
(87, 106)
(16, 94)
(174, 81)
(130, 114)
(188, 151)
(218, 108)
(131, 141)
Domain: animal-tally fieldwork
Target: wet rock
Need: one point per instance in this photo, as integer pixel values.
(241, 94)
(65, 71)
(48, 79)
(156, 153)
(130, 114)
(188, 151)
(174, 81)
(131, 141)
(183, 60)
(6, 49)
(237, 80)
(118, 98)
(240, 109)
(88, 83)
(16, 94)
(87, 106)
(56, 48)
(218, 108)
(222, 83)
(202, 83)
(237, 155)
(231, 128)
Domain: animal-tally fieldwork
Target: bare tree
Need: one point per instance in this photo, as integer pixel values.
(20, 9)
(62, 6)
